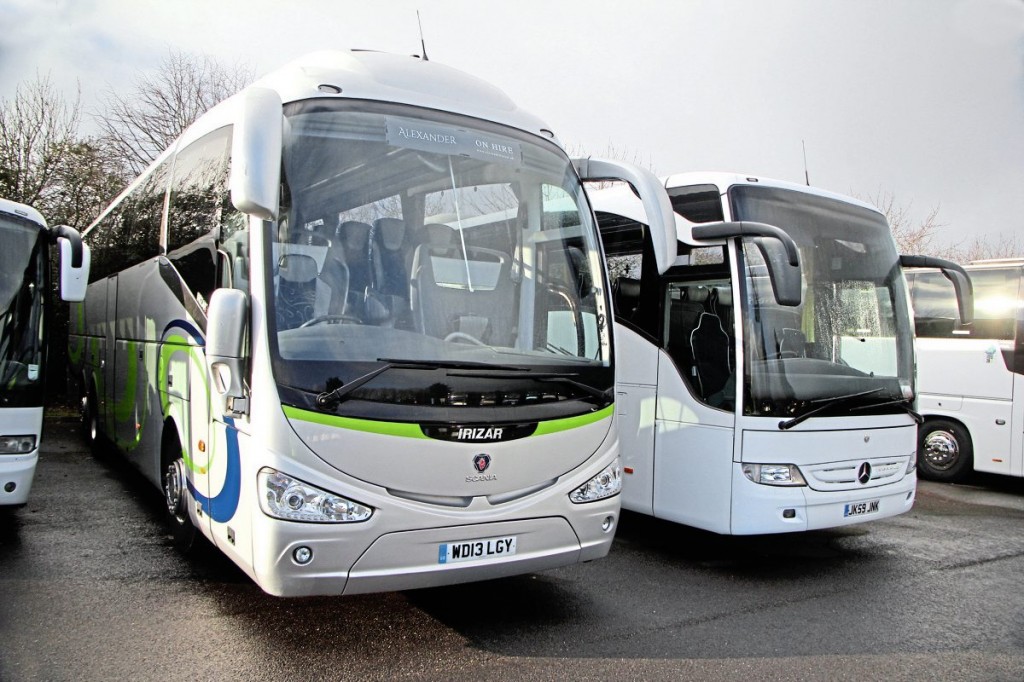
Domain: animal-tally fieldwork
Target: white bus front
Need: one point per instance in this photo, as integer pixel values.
(827, 384)
(432, 376)
(24, 291)
(24, 278)
(766, 397)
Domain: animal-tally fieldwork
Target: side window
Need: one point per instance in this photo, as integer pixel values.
(570, 320)
(105, 259)
(130, 232)
(139, 230)
(995, 305)
(199, 206)
(934, 305)
(697, 203)
(699, 337)
(623, 242)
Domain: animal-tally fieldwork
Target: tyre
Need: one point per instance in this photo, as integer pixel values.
(944, 451)
(91, 423)
(176, 497)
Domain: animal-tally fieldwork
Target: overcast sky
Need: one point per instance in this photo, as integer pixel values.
(923, 99)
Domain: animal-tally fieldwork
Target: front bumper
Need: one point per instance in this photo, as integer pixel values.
(761, 509)
(16, 474)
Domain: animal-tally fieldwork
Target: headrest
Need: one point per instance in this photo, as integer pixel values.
(698, 293)
(627, 287)
(354, 233)
(439, 235)
(391, 231)
(724, 295)
(297, 267)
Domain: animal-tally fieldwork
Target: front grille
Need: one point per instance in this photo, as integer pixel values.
(844, 475)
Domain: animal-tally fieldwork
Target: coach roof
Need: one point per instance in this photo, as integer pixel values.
(396, 78)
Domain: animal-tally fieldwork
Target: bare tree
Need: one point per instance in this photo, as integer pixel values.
(918, 238)
(38, 130)
(911, 237)
(85, 182)
(987, 248)
(139, 125)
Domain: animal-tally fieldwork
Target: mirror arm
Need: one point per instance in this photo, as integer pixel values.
(726, 230)
(661, 219)
(72, 235)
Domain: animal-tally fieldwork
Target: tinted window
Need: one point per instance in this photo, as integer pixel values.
(103, 245)
(130, 233)
(995, 305)
(697, 203)
(199, 202)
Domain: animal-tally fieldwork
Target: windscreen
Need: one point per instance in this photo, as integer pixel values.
(457, 256)
(847, 347)
(23, 278)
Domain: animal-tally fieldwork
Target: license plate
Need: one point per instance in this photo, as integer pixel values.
(859, 508)
(486, 549)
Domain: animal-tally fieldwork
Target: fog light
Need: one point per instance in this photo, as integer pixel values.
(10, 486)
(302, 555)
(607, 524)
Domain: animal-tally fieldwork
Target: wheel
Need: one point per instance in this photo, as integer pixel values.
(176, 497)
(944, 451)
(91, 423)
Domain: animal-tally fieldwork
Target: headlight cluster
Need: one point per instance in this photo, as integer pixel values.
(284, 497)
(605, 484)
(17, 445)
(774, 474)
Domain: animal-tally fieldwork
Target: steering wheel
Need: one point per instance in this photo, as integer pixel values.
(463, 336)
(329, 319)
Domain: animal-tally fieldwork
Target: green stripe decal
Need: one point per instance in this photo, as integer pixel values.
(368, 425)
(556, 425)
(413, 430)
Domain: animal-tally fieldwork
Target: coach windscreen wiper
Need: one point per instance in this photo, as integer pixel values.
(333, 397)
(826, 404)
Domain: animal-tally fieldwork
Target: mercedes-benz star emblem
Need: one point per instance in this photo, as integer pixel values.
(863, 473)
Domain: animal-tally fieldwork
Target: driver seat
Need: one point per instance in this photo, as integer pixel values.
(302, 295)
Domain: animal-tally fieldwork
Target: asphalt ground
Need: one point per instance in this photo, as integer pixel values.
(91, 588)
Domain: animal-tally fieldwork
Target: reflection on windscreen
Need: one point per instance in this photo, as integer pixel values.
(850, 333)
(414, 239)
(22, 291)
